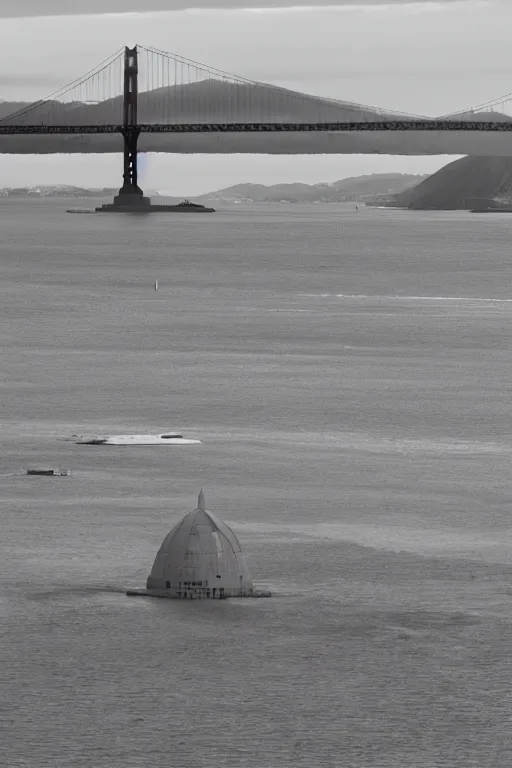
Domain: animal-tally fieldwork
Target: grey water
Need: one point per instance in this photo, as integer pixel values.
(349, 375)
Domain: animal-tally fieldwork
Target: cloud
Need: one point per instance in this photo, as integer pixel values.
(27, 8)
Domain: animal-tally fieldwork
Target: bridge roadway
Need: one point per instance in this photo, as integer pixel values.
(395, 137)
(377, 126)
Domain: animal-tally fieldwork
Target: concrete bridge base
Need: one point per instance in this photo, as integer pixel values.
(127, 201)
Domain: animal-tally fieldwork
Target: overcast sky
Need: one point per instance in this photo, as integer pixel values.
(422, 57)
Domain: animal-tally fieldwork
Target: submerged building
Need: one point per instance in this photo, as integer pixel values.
(200, 558)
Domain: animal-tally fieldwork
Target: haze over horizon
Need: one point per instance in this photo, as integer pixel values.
(377, 53)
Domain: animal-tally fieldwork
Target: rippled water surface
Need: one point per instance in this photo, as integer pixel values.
(350, 377)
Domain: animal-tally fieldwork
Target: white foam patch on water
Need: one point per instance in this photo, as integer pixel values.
(56, 432)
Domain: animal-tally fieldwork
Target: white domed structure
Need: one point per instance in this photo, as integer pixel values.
(201, 558)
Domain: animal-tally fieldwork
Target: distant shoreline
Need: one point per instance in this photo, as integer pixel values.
(372, 188)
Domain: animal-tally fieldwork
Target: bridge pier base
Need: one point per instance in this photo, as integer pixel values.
(128, 202)
(131, 199)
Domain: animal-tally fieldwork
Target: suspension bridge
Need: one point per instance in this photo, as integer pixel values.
(145, 100)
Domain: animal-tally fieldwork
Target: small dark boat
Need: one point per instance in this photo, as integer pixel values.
(49, 472)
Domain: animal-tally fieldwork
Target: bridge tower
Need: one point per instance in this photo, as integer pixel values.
(131, 195)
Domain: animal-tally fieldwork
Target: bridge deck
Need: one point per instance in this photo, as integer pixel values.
(251, 127)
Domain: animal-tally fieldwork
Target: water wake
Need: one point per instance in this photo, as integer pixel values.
(388, 297)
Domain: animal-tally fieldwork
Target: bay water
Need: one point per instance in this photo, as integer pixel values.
(349, 375)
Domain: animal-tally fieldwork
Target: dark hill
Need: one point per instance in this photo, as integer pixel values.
(460, 185)
(358, 188)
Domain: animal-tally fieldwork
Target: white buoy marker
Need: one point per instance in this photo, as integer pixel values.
(156, 285)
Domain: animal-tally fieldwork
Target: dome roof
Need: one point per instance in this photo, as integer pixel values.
(201, 553)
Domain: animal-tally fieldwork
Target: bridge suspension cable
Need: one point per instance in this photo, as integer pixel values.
(182, 90)
(483, 107)
(71, 103)
(207, 93)
(176, 90)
